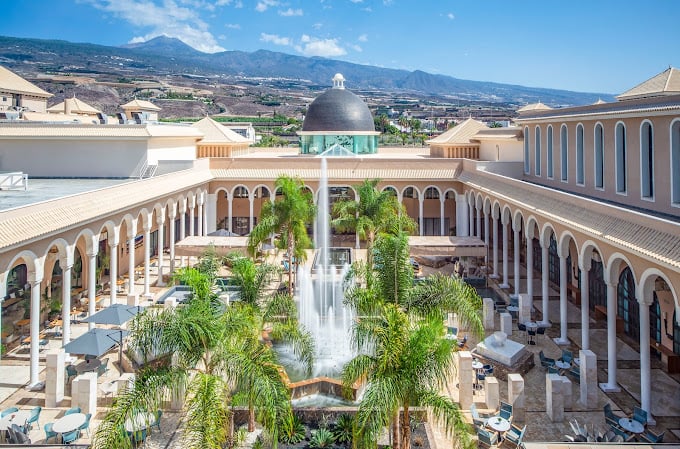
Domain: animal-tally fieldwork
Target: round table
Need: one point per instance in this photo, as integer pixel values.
(140, 421)
(498, 424)
(19, 418)
(630, 425)
(69, 423)
(88, 366)
(562, 365)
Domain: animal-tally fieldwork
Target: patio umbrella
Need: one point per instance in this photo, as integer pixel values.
(116, 314)
(95, 342)
(223, 233)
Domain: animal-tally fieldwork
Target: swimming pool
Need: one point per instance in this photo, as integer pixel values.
(180, 292)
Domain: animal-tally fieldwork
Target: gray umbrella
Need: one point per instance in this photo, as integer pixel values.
(115, 314)
(95, 342)
(223, 233)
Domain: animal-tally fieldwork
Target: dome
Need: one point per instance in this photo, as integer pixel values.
(338, 109)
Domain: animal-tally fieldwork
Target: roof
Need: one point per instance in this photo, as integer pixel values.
(59, 118)
(338, 110)
(75, 106)
(587, 216)
(348, 174)
(513, 133)
(214, 132)
(459, 134)
(665, 83)
(142, 105)
(11, 82)
(29, 129)
(534, 107)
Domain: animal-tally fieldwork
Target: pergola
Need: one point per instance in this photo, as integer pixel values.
(196, 245)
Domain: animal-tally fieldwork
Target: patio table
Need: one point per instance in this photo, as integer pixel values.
(19, 418)
(499, 424)
(630, 425)
(88, 366)
(69, 423)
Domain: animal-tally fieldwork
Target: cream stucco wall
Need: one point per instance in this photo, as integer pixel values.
(171, 149)
(501, 150)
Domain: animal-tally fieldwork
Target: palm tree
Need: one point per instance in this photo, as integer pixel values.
(288, 217)
(374, 212)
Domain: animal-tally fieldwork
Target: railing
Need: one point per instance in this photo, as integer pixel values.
(13, 180)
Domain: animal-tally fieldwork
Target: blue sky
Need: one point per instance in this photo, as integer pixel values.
(585, 45)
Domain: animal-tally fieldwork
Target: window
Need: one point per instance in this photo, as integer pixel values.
(599, 157)
(431, 194)
(676, 334)
(549, 158)
(526, 150)
(564, 153)
(240, 192)
(537, 152)
(675, 163)
(410, 192)
(621, 159)
(647, 160)
(597, 288)
(628, 308)
(655, 320)
(580, 179)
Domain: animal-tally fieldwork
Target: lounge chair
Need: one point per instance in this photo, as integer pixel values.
(514, 435)
(487, 438)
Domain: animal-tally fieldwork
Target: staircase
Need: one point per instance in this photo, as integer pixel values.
(149, 171)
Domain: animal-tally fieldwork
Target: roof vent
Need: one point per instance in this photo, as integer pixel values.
(338, 81)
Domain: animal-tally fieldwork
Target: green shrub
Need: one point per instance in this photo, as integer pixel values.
(292, 430)
(343, 431)
(321, 438)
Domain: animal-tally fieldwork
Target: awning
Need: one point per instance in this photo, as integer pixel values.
(447, 246)
(197, 245)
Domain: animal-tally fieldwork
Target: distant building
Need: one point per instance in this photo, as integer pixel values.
(139, 111)
(219, 140)
(17, 94)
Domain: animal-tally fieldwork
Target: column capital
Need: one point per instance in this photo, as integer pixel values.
(160, 219)
(93, 253)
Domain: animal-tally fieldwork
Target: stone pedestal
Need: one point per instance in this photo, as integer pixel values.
(84, 393)
(588, 384)
(554, 401)
(506, 323)
(493, 392)
(465, 379)
(55, 362)
(133, 299)
(488, 314)
(170, 303)
(524, 304)
(516, 396)
(567, 393)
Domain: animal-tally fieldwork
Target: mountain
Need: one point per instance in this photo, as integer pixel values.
(165, 55)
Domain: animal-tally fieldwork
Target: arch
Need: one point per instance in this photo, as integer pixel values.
(506, 214)
(564, 153)
(531, 223)
(537, 151)
(647, 160)
(646, 286)
(432, 193)
(416, 191)
(598, 154)
(621, 158)
(517, 219)
(28, 258)
(64, 250)
(255, 190)
(487, 204)
(479, 201)
(392, 188)
(145, 216)
(580, 160)
(586, 253)
(527, 163)
(220, 189)
(89, 237)
(550, 165)
(675, 162)
(130, 223)
(546, 231)
(240, 191)
(563, 243)
(613, 267)
(496, 209)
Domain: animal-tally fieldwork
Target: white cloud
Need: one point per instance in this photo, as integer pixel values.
(356, 1)
(317, 26)
(222, 2)
(356, 47)
(312, 46)
(233, 26)
(263, 5)
(367, 9)
(290, 12)
(164, 18)
(363, 38)
(450, 16)
(275, 39)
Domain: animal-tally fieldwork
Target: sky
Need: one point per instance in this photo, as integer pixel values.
(604, 46)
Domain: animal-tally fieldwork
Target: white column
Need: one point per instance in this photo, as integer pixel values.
(478, 225)
(161, 241)
(230, 214)
(65, 301)
(442, 199)
(471, 219)
(486, 228)
(611, 385)
(544, 283)
(191, 220)
(199, 222)
(462, 221)
(182, 228)
(172, 217)
(495, 247)
(131, 261)
(645, 366)
(147, 256)
(250, 212)
(113, 271)
(210, 213)
(421, 219)
(516, 260)
(92, 285)
(205, 216)
(505, 256)
(563, 340)
(530, 270)
(585, 305)
(3, 293)
(35, 330)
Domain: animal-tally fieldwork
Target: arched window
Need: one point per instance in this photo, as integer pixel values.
(526, 151)
(655, 320)
(549, 157)
(580, 179)
(597, 289)
(240, 192)
(537, 152)
(676, 334)
(628, 308)
(599, 157)
(675, 163)
(621, 159)
(564, 153)
(647, 161)
(431, 194)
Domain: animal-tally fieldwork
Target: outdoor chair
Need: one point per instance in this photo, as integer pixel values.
(506, 406)
(34, 418)
(546, 361)
(640, 415)
(506, 414)
(103, 368)
(70, 372)
(477, 419)
(514, 435)
(463, 342)
(72, 410)
(49, 433)
(70, 437)
(531, 333)
(623, 434)
(7, 411)
(157, 423)
(567, 356)
(540, 331)
(488, 370)
(487, 438)
(651, 437)
(553, 370)
(86, 424)
(480, 379)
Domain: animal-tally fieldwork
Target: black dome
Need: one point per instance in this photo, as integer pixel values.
(338, 110)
